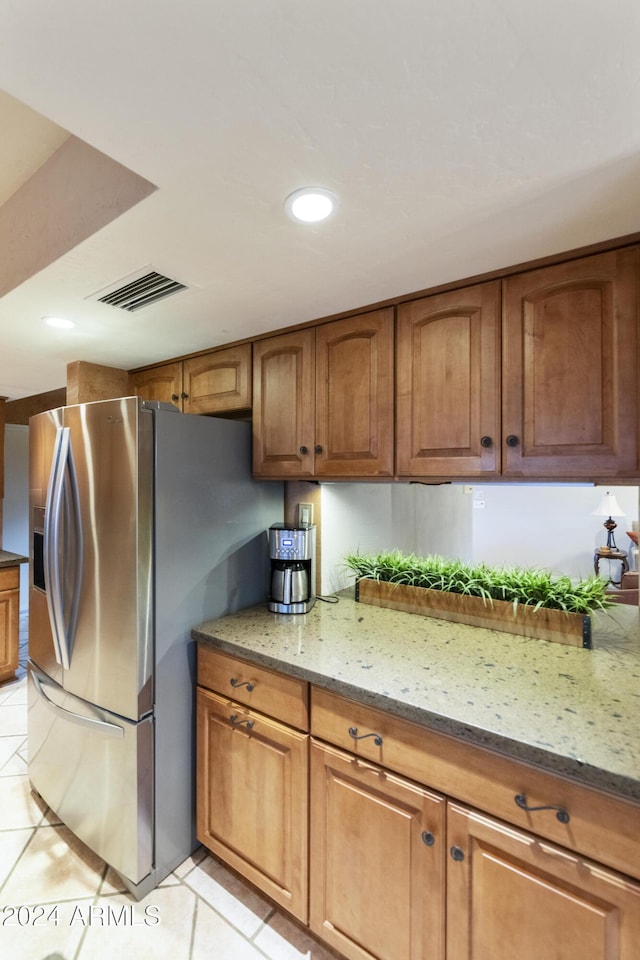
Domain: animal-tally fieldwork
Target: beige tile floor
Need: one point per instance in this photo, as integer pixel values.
(59, 901)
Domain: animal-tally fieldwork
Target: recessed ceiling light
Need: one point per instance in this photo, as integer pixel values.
(60, 322)
(310, 204)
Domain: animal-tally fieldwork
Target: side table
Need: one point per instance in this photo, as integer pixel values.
(603, 553)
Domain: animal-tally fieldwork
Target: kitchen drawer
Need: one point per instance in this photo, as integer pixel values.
(600, 825)
(9, 578)
(281, 697)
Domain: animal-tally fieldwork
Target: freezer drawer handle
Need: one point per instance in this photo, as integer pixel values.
(561, 814)
(99, 726)
(235, 721)
(241, 683)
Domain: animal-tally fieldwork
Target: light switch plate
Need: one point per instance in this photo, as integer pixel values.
(305, 514)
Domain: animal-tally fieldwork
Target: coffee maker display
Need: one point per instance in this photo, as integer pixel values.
(292, 551)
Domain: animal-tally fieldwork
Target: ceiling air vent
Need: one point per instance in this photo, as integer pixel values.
(145, 289)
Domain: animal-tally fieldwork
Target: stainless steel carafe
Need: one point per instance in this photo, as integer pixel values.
(289, 582)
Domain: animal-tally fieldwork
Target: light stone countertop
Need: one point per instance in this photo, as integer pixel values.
(568, 710)
(8, 559)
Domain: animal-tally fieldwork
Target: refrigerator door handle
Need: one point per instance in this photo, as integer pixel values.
(63, 487)
(98, 726)
(52, 538)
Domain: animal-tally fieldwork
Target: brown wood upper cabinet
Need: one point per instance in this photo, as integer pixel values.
(323, 400)
(216, 383)
(448, 384)
(162, 383)
(570, 361)
(552, 394)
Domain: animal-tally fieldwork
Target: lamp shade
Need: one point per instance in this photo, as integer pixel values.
(608, 507)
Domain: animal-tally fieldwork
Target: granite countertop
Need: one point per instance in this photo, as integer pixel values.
(571, 711)
(8, 559)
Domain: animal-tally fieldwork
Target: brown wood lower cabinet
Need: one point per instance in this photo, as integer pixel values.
(410, 845)
(252, 808)
(511, 895)
(377, 860)
(9, 620)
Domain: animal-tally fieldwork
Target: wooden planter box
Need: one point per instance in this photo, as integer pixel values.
(570, 628)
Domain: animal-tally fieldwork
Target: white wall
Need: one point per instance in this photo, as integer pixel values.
(15, 517)
(550, 526)
(370, 518)
(547, 526)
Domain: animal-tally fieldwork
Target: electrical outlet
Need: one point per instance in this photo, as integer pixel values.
(305, 514)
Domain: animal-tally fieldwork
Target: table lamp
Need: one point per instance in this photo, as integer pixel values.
(609, 507)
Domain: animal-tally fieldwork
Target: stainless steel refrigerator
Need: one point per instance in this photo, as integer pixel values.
(144, 522)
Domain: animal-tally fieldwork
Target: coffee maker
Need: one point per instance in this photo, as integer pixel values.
(292, 551)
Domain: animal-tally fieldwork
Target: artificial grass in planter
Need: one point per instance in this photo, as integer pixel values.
(517, 600)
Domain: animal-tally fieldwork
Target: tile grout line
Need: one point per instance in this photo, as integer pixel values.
(20, 855)
(264, 924)
(194, 923)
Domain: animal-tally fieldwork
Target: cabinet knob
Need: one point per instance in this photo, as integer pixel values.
(428, 838)
(561, 814)
(174, 397)
(185, 396)
(317, 448)
(512, 440)
(486, 442)
(304, 450)
(457, 853)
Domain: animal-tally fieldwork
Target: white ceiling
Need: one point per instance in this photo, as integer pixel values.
(460, 135)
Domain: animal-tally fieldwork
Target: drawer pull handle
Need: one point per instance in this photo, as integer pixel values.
(457, 853)
(428, 838)
(235, 721)
(241, 683)
(561, 813)
(353, 733)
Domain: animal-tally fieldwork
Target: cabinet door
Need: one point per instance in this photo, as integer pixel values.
(163, 383)
(510, 894)
(283, 405)
(354, 396)
(252, 806)
(377, 861)
(570, 390)
(218, 382)
(447, 384)
(9, 620)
